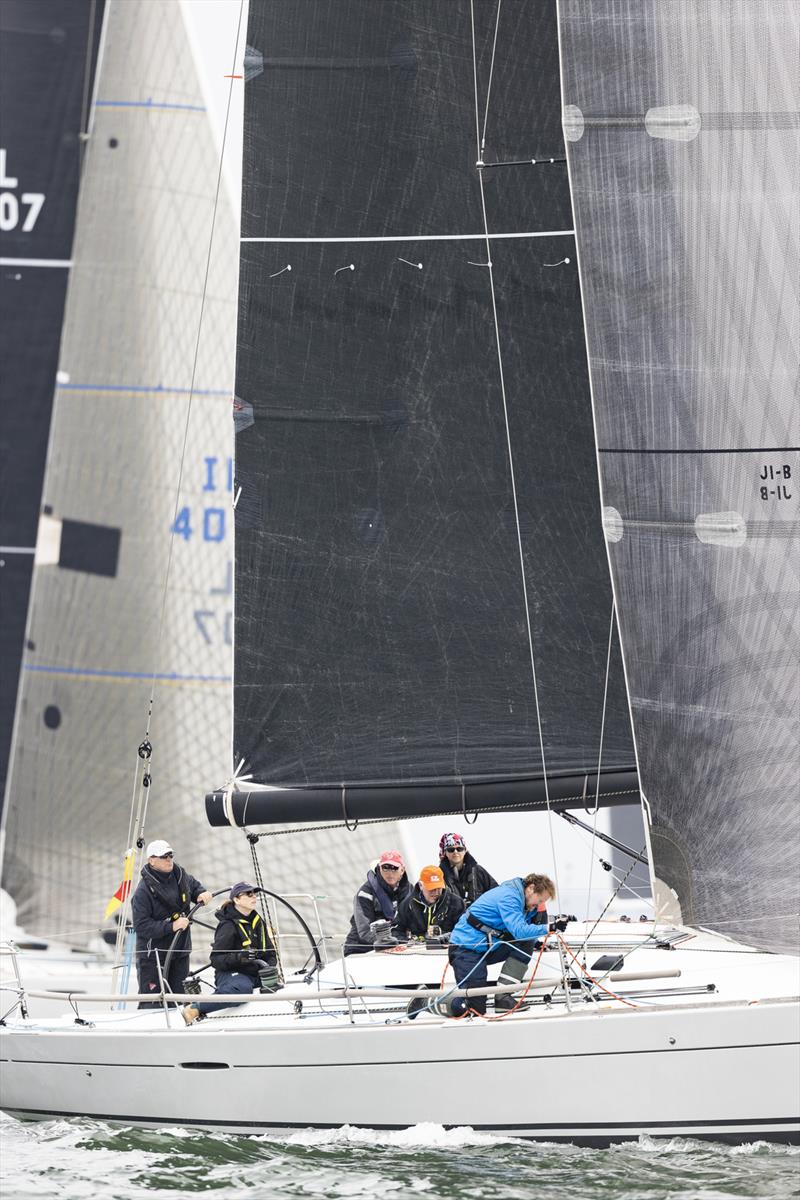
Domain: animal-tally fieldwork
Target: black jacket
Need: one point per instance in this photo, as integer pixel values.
(160, 898)
(471, 881)
(374, 901)
(239, 940)
(415, 916)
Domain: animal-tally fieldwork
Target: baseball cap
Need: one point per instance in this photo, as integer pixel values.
(431, 877)
(158, 848)
(392, 856)
(240, 887)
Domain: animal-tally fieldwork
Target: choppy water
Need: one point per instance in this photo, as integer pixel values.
(79, 1158)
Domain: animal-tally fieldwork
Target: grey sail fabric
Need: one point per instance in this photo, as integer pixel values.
(683, 156)
(381, 629)
(47, 57)
(126, 369)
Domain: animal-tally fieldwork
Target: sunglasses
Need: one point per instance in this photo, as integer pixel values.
(247, 893)
(455, 850)
(390, 867)
(169, 855)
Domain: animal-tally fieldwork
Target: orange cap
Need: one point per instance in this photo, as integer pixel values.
(431, 877)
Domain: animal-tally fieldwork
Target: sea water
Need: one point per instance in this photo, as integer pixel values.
(78, 1159)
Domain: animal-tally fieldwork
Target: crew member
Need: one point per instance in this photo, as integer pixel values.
(503, 925)
(377, 899)
(163, 897)
(431, 906)
(462, 874)
(242, 952)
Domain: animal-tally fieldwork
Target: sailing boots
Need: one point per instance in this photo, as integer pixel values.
(512, 971)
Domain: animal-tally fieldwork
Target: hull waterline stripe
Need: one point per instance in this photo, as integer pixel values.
(417, 1062)
(564, 1130)
(412, 237)
(63, 263)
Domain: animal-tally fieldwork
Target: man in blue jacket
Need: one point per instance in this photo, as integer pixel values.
(502, 925)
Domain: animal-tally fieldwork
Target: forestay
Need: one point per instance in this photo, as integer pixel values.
(381, 627)
(683, 157)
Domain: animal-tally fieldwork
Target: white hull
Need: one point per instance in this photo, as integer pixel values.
(714, 1067)
(727, 1072)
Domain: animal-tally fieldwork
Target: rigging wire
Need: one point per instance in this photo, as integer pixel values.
(512, 476)
(491, 74)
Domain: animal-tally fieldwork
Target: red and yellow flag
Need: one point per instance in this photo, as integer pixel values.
(123, 891)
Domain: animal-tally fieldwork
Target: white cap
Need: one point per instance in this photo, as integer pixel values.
(158, 849)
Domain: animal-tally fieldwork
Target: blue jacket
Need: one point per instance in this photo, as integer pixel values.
(501, 908)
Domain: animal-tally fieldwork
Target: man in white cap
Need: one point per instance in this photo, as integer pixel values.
(377, 900)
(163, 897)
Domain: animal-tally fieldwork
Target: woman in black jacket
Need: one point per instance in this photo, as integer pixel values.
(241, 950)
(462, 873)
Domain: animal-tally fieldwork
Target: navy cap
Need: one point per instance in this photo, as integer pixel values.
(240, 887)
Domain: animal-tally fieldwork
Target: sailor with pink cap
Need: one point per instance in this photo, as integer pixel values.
(377, 900)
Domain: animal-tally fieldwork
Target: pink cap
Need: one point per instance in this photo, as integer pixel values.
(392, 856)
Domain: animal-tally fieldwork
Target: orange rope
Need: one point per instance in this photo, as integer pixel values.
(591, 979)
(508, 1012)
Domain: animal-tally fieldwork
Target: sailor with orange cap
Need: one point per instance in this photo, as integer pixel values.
(430, 906)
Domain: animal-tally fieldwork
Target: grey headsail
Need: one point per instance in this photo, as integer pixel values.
(47, 57)
(684, 157)
(382, 663)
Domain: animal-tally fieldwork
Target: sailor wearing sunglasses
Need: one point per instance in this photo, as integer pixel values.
(159, 906)
(242, 955)
(377, 900)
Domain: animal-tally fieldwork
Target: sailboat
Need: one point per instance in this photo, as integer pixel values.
(447, 428)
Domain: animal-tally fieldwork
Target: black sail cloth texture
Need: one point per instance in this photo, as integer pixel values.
(683, 156)
(381, 623)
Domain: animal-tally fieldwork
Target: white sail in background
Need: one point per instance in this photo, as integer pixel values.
(142, 416)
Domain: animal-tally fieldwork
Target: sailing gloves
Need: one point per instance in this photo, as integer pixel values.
(558, 925)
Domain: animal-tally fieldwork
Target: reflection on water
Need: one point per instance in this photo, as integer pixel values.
(79, 1159)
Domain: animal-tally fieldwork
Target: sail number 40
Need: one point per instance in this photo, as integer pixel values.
(212, 525)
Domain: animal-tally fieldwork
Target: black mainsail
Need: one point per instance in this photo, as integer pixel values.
(684, 157)
(389, 565)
